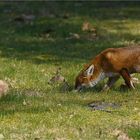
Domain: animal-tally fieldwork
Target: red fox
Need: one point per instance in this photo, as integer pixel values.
(111, 63)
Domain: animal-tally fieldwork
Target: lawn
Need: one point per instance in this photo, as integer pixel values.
(49, 37)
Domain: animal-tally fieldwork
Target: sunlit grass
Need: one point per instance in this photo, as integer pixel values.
(35, 109)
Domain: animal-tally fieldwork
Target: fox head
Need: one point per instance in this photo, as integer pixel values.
(89, 77)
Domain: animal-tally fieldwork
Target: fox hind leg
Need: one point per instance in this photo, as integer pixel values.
(127, 78)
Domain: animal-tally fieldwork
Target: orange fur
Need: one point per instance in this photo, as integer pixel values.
(110, 62)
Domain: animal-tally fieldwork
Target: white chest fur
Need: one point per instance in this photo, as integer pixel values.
(99, 78)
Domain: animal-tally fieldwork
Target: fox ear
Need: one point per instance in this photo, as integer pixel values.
(90, 70)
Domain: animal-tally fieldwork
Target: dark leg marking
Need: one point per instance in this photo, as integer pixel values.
(127, 78)
(111, 81)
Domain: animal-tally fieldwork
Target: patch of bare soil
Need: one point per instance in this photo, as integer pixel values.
(103, 106)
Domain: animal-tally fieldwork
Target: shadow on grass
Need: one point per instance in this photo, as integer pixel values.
(59, 50)
(97, 9)
(23, 41)
(15, 103)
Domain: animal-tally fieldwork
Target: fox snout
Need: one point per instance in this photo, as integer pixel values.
(78, 85)
(78, 88)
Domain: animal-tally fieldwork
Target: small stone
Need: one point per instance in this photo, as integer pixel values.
(1, 136)
(73, 36)
(28, 17)
(116, 132)
(24, 103)
(88, 27)
(3, 88)
(85, 26)
(136, 109)
(123, 136)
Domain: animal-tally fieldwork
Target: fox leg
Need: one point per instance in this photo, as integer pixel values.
(127, 78)
(111, 81)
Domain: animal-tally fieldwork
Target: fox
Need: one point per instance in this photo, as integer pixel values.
(111, 63)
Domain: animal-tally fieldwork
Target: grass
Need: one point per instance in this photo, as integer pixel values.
(28, 60)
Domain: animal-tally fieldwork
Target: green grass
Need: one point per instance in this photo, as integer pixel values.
(28, 60)
(134, 132)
